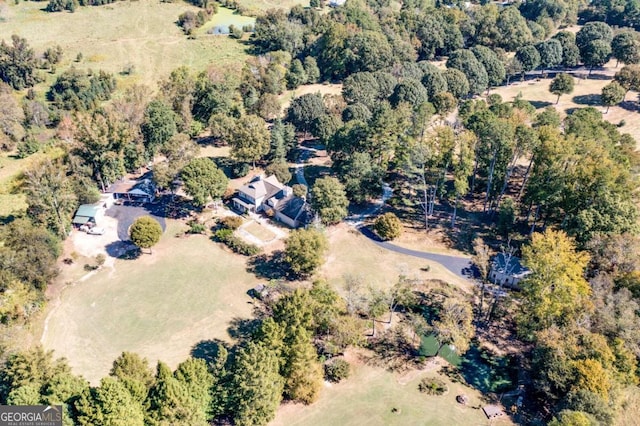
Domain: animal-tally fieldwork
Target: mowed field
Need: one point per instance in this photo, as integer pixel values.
(586, 93)
(142, 34)
(370, 395)
(159, 305)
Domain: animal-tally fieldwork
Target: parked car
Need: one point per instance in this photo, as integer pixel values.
(95, 231)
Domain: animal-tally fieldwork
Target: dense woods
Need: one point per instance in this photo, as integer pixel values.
(563, 191)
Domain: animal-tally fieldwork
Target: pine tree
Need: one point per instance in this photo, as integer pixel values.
(195, 377)
(256, 385)
(110, 404)
(302, 371)
(169, 401)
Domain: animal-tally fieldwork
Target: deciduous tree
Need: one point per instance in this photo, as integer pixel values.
(562, 84)
(329, 200)
(203, 180)
(145, 232)
(612, 94)
(305, 250)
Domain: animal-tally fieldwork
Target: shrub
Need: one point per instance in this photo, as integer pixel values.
(388, 226)
(432, 386)
(29, 145)
(240, 170)
(299, 190)
(226, 236)
(231, 222)
(196, 228)
(337, 370)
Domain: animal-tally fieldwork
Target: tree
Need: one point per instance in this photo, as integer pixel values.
(281, 171)
(592, 31)
(625, 47)
(465, 61)
(17, 63)
(513, 31)
(256, 385)
(311, 69)
(169, 401)
(444, 103)
(573, 418)
(434, 81)
(296, 75)
(304, 250)
(529, 57)
(134, 373)
(457, 83)
(454, 326)
(329, 200)
(361, 88)
(302, 371)
(203, 180)
(550, 53)
(561, 84)
(388, 226)
(570, 51)
(612, 94)
(158, 127)
(410, 91)
(305, 110)
(555, 292)
(196, 378)
(50, 197)
(145, 232)
(596, 54)
(109, 404)
(629, 77)
(249, 139)
(492, 64)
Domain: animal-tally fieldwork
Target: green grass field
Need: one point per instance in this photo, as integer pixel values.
(142, 34)
(160, 305)
(370, 394)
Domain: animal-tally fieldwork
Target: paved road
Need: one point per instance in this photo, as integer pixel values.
(460, 266)
(126, 215)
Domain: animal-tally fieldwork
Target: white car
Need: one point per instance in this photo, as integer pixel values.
(95, 231)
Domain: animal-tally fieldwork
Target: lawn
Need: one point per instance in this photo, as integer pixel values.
(370, 394)
(259, 231)
(142, 34)
(261, 5)
(586, 93)
(160, 305)
(352, 253)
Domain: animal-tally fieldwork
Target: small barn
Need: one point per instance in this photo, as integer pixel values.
(88, 215)
(507, 271)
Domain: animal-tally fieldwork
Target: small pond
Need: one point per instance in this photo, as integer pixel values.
(480, 368)
(220, 22)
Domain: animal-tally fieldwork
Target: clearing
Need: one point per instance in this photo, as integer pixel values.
(140, 34)
(351, 253)
(190, 289)
(586, 93)
(374, 396)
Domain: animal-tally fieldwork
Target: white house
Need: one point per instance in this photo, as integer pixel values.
(269, 196)
(507, 271)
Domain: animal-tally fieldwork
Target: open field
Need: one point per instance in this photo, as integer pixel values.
(586, 93)
(350, 252)
(142, 34)
(369, 395)
(158, 305)
(272, 4)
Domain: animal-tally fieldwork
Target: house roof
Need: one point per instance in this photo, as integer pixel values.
(260, 187)
(291, 206)
(509, 265)
(492, 411)
(88, 210)
(135, 187)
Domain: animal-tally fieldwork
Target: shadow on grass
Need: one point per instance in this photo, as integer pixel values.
(488, 372)
(271, 268)
(630, 106)
(243, 329)
(593, 100)
(125, 250)
(208, 350)
(540, 104)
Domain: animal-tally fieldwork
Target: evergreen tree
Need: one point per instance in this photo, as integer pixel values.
(110, 404)
(302, 371)
(256, 385)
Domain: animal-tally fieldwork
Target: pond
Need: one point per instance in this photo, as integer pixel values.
(480, 368)
(220, 22)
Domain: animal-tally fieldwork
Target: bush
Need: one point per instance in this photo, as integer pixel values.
(240, 170)
(432, 386)
(388, 226)
(337, 370)
(299, 190)
(196, 228)
(226, 236)
(29, 145)
(231, 222)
